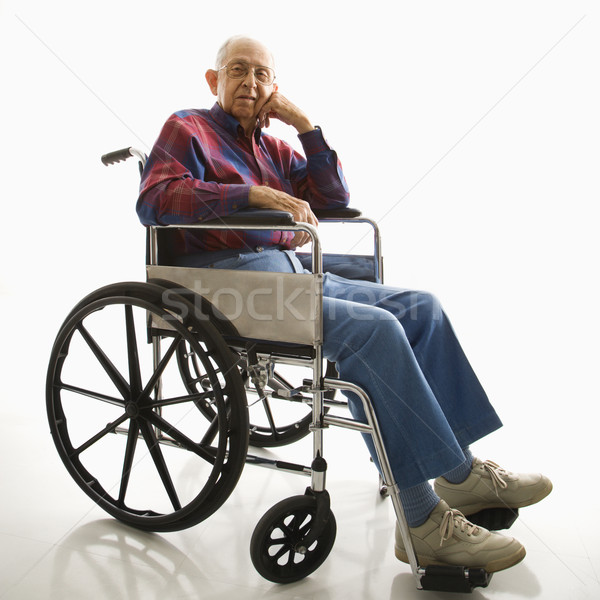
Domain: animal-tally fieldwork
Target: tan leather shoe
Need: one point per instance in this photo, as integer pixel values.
(447, 538)
(490, 486)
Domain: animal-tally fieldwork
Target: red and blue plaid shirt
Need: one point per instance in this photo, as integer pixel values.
(202, 167)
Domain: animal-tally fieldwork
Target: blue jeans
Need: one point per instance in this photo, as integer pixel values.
(399, 346)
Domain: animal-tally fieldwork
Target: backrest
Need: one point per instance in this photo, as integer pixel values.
(167, 242)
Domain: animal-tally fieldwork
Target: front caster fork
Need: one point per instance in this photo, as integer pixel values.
(320, 521)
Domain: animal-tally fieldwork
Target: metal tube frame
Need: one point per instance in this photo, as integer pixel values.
(321, 384)
(372, 428)
(317, 479)
(376, 241)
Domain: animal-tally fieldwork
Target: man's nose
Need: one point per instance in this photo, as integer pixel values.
(250, 79)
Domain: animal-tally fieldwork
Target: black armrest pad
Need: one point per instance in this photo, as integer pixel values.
(337, 213)
(266, 216)
(262, 216)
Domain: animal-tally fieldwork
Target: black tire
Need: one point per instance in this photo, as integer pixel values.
(280, 531)
(101, 384)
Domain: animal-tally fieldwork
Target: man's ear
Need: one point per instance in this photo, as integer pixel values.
(211, 78)
(275, 87)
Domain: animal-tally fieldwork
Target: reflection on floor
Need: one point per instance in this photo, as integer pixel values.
(55, 543)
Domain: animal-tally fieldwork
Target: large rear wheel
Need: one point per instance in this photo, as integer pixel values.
(131, 435)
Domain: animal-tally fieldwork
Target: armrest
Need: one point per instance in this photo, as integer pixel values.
(337, 213)
(264, 216)
(256, 216)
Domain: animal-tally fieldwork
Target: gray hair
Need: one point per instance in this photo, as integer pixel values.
(224, 49)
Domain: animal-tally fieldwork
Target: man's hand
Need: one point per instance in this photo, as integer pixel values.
(279, 107)
(266, 197)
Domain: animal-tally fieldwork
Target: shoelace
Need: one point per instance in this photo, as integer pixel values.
(454, 518)
(495, 472)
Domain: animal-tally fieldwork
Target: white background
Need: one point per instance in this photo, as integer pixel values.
(469, 130)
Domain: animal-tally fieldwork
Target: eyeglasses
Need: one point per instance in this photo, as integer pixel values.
(239, 69)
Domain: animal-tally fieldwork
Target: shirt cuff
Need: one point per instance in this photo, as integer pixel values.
(313, 142)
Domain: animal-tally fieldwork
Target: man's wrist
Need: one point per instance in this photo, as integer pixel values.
(304, 126)
(259, 196)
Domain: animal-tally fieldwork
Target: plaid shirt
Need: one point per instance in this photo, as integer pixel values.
(202, 167)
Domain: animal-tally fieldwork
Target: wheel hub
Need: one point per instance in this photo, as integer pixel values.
(132, 410)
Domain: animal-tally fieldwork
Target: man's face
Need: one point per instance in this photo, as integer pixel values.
(242, 98)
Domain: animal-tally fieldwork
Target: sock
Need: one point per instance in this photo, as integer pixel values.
(418, 502)
(460, 473)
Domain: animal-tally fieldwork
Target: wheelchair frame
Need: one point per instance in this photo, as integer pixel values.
(179, 282)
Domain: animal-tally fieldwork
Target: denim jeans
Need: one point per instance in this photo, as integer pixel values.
(399, 346)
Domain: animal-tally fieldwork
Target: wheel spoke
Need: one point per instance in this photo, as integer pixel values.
(270, 418)
(159, 463)
(135, 375)
(106, 363)
(180, 437)
(90, 394)
(197, 370)
(290, 559)
(296, 522)
(277, 541)
(281, 552)
(132, 437)
(287, 531)
(152, 382)
(211, 432)
(302, 531)
(108, 429)
(195, 398)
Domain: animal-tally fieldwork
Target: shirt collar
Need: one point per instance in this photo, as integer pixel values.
(230, 123)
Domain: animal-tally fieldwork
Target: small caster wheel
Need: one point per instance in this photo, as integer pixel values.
(383, 488)
(276, 547)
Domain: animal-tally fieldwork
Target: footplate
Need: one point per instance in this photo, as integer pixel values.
(454, 579)
(495, 518)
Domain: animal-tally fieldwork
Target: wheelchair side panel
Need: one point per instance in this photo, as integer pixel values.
(278, 307)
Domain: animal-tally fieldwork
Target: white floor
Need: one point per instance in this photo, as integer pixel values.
(55, 543)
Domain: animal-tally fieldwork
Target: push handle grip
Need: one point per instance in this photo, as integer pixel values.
(117, 156)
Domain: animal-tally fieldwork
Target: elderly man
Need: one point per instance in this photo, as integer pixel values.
(396, 344)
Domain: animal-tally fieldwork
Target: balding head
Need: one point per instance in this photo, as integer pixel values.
(240, 40)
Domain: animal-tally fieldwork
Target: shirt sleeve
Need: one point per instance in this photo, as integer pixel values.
(319, 178)
(173, 189)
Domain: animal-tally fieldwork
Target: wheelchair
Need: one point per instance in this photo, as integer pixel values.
(157, 389)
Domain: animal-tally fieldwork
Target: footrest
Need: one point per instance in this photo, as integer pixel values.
(494, 518)
(454, 579)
